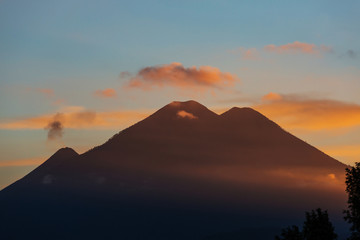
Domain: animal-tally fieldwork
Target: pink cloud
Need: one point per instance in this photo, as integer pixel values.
(176, 75)
(297, 47)
(272, 97)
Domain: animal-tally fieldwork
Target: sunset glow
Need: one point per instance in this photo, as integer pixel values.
(67, 79)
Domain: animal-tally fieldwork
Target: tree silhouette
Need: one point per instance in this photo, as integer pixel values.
(352, 214)
(290, 233)
(317, 226)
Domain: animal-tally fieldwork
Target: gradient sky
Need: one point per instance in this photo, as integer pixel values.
(100, 66)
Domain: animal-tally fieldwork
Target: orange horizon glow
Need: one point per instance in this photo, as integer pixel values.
(290, 112)
(309, 114)
(23, 162)
(80, 118)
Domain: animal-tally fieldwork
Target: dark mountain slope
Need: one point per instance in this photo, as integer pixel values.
(182, 173)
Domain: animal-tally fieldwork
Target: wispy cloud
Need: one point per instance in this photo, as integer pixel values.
(45, 91)
(176, 75)
(297, 47)
(106, 93)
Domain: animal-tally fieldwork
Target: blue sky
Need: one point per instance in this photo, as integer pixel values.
(54, 55)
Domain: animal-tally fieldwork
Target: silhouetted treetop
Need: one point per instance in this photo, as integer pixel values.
(352, 214)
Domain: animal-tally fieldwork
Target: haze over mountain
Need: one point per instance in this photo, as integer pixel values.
(184, 172)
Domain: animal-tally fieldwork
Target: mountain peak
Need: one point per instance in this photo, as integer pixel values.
(65, 152)
(189, 103)
(61, 155)
(187, 109)
(243, 111)
(41, 173)
(247, 117)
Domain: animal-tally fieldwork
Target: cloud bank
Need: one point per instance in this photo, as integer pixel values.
(293, 111)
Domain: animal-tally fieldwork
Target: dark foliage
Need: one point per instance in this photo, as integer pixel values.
(317, 226)
(290, 233)
(352, 214)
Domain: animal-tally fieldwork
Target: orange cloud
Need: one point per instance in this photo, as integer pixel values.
(272, 97)
(176, 75)
(185, 114)
(79, 118)
(312, 114)
(22, 162)
(297, 47)
(106, 93)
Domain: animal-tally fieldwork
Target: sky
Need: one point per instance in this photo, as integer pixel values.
(74, 73)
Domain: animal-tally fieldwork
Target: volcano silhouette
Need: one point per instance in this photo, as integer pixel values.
(184, 172)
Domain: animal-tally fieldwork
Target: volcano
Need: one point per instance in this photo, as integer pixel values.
(184, 172)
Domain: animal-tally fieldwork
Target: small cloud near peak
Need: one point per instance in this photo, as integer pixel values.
(332, 176)
(175, 104)
(185, 114)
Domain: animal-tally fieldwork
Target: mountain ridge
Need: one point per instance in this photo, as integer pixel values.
(194, 163)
